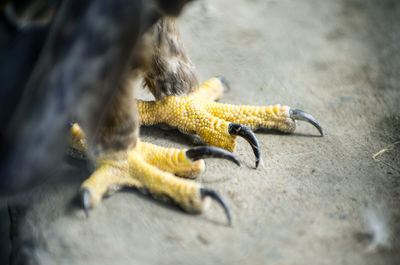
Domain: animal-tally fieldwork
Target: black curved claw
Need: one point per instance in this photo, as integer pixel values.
(248, 135)
(204, 192)
(297, 114)
(224, 82)
(85, 199)
(210, 151)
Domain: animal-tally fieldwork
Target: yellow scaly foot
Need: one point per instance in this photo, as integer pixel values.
(151, 169)
(216, 123)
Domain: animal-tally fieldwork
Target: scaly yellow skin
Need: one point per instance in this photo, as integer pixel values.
(133, 169)
(149, 168)
(198, 113)
(77, 139)
(155, 169)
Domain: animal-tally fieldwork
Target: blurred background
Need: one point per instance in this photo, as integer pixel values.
(329, 200)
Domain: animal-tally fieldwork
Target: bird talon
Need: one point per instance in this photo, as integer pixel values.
(210, 152)
(248, 135)
(205, 192)
(224, 82)
(85, 199)
(297, 114)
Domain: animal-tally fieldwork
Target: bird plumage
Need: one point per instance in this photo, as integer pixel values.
(64, 61)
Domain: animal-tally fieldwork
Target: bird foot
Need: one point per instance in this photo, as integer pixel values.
(219, 124)
(152, 169)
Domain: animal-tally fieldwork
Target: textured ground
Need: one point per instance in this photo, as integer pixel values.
(340, 61)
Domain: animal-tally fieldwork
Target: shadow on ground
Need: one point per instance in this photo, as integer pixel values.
(338, 60)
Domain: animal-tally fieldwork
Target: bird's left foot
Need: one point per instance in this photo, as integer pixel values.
(152, 169)
(219, 124)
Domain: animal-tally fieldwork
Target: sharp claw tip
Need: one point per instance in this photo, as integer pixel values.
(224, 81)
(85, 197)
(210, 152)
(297, 114)
(236, 162)
(248, 135)
(215, 196)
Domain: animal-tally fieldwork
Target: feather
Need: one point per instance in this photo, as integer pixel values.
(377, 226)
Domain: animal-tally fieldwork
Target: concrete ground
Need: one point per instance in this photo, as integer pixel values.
(340, 61)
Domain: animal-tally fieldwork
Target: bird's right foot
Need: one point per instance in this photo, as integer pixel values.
(219, 124)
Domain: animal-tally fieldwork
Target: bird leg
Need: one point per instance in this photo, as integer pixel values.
(216, 123)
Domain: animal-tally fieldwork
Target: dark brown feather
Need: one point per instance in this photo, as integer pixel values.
(170, 71)
(79, 75)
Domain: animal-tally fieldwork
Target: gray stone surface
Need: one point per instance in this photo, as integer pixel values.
(340, 61)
